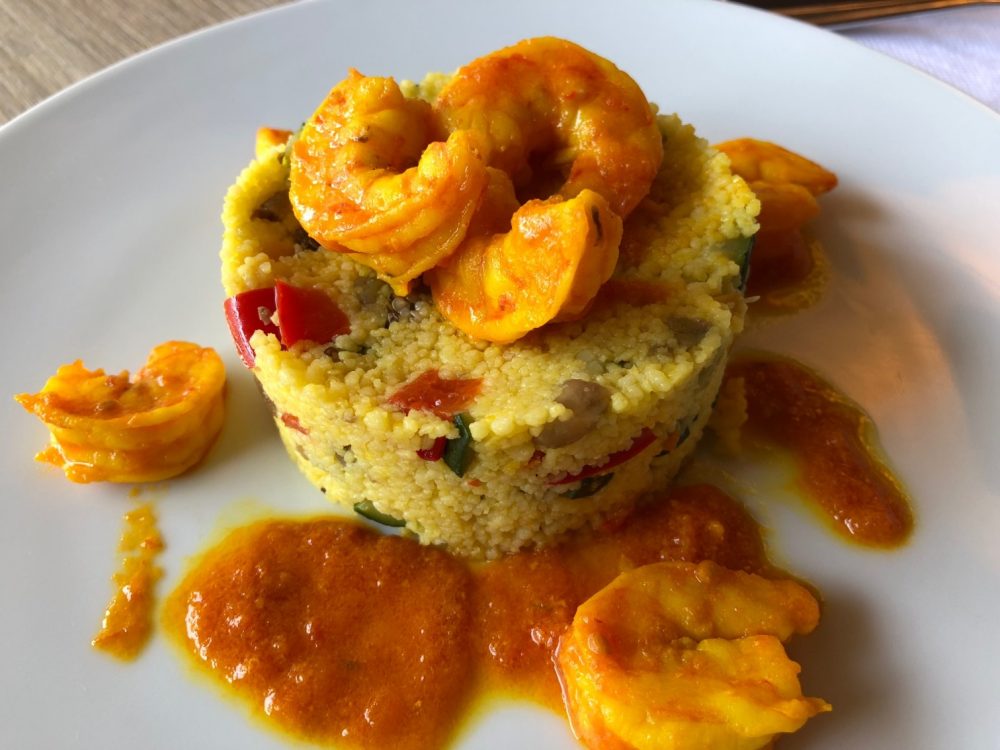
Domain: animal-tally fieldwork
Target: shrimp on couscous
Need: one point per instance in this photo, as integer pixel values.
(480, 446)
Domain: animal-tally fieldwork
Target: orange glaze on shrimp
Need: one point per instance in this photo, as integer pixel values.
(151, 426)
(561, 122)
(364, 178)
(550, 107)
(686, 656)
(548, 267)
(405, 187)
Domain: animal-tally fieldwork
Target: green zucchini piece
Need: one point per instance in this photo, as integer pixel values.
(685, 434)
(458, 451)
(590, 486)
(740, 250)
(367, 509)
(285, 158)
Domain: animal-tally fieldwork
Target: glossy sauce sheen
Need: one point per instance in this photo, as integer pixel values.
(834, 446)
(787, 271)
(780, 259)
(128, 620)
(339, 634)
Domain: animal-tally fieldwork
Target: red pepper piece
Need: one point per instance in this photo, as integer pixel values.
(436, 451)
(292, 422)
(248, 312)
(643, 441)
(430, 392)
(308, 315)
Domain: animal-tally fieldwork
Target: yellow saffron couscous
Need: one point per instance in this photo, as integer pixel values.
(566, 427)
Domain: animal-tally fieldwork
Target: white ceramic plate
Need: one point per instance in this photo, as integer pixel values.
(110, 195)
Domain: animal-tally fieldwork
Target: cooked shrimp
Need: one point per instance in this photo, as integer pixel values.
(559, 121)
(550, 107)
(548, 267)
(269, 139)
(785, 182)
(114, 428)
(366, 178)
(684, 656)
(786, 270)
(543, 117)
(784, 206)
(762, 161)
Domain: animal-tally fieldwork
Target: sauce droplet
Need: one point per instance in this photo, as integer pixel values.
(834, 445)
(128, 620)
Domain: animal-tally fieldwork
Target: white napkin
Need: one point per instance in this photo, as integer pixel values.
(959, 46)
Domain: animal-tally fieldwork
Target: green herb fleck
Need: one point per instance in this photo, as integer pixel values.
(458, 451)
(367, 509)
(590, 486)
(740, 251)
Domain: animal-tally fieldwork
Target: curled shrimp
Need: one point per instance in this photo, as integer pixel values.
(405, 187)
(548, 267)
(686, 656)
(367, 178)
(116, 428)
(762, 161)
(786, 183)
(558, 119)
(786, 270)
(561, 122)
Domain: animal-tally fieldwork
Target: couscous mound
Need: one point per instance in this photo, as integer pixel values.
(564, 428)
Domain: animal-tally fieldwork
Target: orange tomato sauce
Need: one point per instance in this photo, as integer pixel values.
(834, 446)
(338, 634)
(128, 619)
(524, 602)
(780, 259)
(788, 271)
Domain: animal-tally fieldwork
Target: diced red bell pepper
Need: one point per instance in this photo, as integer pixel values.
(643, 441)
(436, 451)
(440, 396)
(248, 312)
(292, 422)
(308, 315)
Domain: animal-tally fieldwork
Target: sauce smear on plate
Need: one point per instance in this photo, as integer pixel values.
(834, 445)
(339, 634)
(787, 271)
(128, 620)
(333, 631)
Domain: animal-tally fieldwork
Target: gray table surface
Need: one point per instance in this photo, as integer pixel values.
(45, 45)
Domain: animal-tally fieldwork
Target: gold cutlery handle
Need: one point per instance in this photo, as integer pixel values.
(857, 11)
